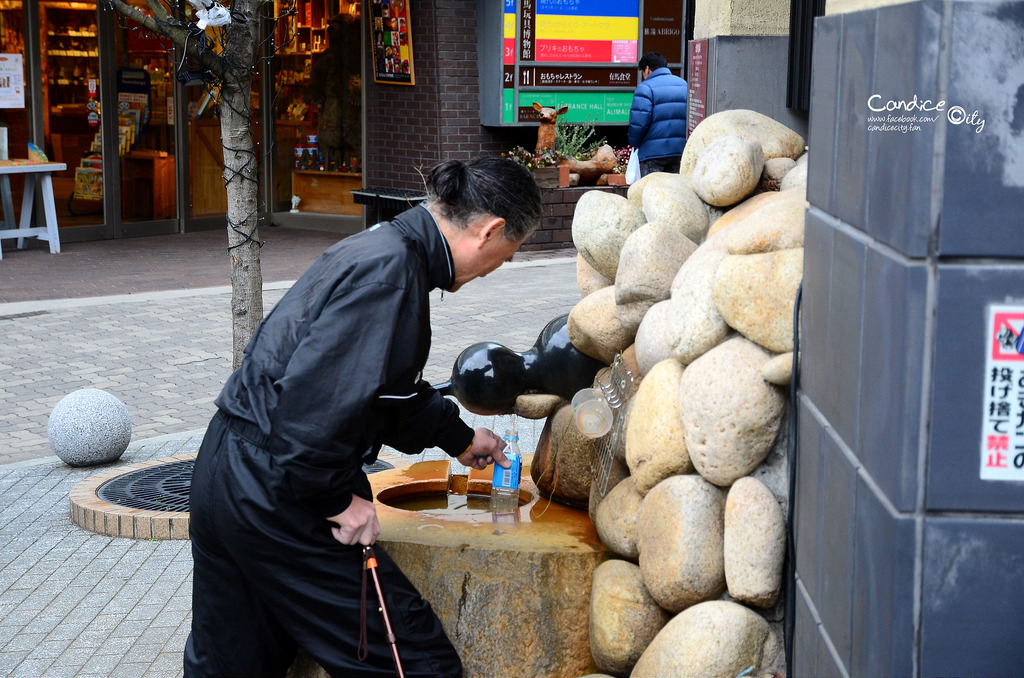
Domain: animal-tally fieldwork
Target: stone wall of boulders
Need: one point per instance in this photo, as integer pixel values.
(692, 278)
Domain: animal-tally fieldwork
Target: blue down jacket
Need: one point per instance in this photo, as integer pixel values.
(657, 118)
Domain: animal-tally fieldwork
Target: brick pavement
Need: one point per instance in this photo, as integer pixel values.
(74, 603)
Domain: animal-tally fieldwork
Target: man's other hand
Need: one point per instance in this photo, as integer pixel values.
(357, 524)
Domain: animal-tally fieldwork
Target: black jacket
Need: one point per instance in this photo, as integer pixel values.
(334, 371)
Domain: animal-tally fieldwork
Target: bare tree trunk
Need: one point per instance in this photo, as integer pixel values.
(233, 66)
(241, 179)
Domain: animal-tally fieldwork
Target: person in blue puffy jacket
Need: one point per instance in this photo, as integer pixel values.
(657, 118)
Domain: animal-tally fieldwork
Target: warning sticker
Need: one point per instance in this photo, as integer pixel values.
(1002, 430)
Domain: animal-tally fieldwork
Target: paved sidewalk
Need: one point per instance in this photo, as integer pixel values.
(74, 603)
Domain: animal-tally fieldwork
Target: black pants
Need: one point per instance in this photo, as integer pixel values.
(659, 165)
(269, 577)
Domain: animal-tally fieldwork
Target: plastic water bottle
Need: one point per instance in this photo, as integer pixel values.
(505, 483)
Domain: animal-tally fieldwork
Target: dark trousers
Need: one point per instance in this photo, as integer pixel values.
(659, 165)
(269, 577)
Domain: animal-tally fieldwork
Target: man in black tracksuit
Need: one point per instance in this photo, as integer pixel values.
(280, 505)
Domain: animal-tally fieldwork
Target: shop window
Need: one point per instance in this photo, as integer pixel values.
(317, 112)
(71, 109)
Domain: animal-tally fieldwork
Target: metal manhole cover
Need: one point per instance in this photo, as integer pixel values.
(158, 488)
(166, 487)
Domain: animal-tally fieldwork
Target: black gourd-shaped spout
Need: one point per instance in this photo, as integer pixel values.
(488, 377)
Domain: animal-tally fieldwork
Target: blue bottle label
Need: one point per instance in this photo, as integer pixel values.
(508, 478)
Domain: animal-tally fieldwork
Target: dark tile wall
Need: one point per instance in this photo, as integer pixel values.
(972, 597)
(908, 563)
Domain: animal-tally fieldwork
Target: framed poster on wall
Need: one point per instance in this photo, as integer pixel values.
(391, 37)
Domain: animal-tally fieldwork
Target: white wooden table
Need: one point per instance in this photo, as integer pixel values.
(35, 172)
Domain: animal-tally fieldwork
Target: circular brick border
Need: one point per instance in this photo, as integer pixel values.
(90, 512)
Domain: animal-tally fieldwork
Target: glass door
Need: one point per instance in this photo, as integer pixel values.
(15, 120)
(145, 111)
(71, 110)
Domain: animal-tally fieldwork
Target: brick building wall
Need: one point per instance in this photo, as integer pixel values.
(409, 129)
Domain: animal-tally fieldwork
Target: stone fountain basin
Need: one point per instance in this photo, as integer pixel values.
(513, 592)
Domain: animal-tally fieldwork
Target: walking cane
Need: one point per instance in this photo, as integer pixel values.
(370, 564)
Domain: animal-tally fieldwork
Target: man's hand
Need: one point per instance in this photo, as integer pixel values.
(487, 449)
(357, 524)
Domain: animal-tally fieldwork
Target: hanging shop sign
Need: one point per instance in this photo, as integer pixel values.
(391, 37)
(576, 53)
(12, 81)
(1002, 423)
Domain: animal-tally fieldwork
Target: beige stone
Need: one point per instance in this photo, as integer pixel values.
(563, 465)
(776, 168)
(635, 192)
(588, 279)
(616, 519)
(719, 639)
(731, 415)
(740, 17)
(632, 314)
(536, 406)
(624, 618)
(600, 225)
(655, 444)
(795, 178)
(755, 543)
(651, 342)
(756, 295)
(777, 140)
(777, 225)
(674, 203)
(779, 370)
(680, 541)
(594, 327)
(649, 262)
(728, 170)
(747, 207)
(694, 323)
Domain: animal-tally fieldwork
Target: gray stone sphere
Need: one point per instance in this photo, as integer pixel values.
(89, 427)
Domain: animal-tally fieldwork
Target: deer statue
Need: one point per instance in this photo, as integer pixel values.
(546, 133)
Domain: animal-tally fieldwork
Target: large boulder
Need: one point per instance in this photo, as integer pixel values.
(694, 323)
(749, 206)
(588, 279)
(728, 170)
(616, 519)
(675, 203)
(600, 225)
(624, 619)
(731, 415)
(655, 444)
(777, 140)
(595, 329)
(716, 639)
(755, 543)
(649, 262)
(604, 482)
(563, 464)
(635, 192)
(777, 225)
(756, 295)
(651, 341)
(681, 536)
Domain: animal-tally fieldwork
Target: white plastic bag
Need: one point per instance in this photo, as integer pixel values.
(633, 167)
